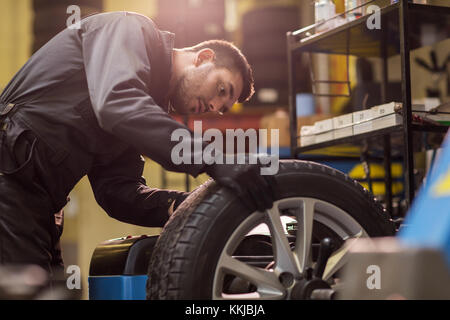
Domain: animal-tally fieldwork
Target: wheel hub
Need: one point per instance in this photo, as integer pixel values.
(312, 278)
(304, 288)
(286, 279)
(292, 274)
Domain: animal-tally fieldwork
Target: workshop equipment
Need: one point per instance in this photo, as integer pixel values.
(118, 269)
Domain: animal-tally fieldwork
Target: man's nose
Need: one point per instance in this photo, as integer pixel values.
(216, 105)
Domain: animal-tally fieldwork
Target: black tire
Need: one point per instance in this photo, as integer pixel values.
(185, 257)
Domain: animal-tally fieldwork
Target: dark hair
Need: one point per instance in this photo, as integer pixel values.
(227, 55)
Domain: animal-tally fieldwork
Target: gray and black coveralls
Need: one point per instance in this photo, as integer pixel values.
(90, 101)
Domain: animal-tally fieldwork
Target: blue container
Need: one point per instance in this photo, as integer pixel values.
(117, 287)
(118, 269)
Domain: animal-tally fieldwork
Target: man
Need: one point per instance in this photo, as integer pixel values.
(90, 102)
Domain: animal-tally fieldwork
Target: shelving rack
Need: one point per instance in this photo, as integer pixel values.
(401, 25)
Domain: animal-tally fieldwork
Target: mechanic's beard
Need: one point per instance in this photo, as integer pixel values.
(188, 83)
(180, 98)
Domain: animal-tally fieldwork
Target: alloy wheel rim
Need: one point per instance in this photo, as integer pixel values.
(288, 261)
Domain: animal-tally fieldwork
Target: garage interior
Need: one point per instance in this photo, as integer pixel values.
(307, 74)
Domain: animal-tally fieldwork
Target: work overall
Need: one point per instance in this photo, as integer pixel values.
(28, 232)
(87, 104)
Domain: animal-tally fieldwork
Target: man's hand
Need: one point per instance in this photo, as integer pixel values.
(255, 190)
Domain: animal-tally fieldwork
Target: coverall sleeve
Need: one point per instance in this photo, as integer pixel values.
(121, 191)
(118, 71)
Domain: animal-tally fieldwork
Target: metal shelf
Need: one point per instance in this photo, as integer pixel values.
(350, 139)
(372, 134)
(400, 33)
(429, 128)
(356, 39)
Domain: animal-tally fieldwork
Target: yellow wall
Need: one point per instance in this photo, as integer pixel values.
(15, 23)
(146, 7)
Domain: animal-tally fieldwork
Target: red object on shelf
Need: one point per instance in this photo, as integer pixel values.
(226, 121)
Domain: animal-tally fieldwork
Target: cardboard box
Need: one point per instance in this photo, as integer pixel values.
(310, 120)
(363, 127)
(387, 121)
(378, 123)
(307, 131)
(323, 126)
(362, 116)
(326, 136)
(343, 132)
(307, 140)
(343, 121)
(385, 109)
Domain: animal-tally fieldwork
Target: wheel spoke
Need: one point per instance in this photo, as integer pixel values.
(267, 283)
(339, 258)
(303, 243)
(295, 261)
(241, 296)
(284, 257)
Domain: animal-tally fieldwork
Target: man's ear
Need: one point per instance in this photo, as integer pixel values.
(204, 55)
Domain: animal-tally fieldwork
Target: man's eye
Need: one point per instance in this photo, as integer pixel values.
(222, 91)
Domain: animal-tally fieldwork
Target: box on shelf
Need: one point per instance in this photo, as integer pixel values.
(323, 130)
(307, 136)
(362, 116)
(385, 109)
(323, 126)
(363, 127)
(307, 140)
(310, 120)
(343, 126)
(343, 121)
(307, 131)
(390, 120)
(375, 118)
(326, 136)
(343, 132)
